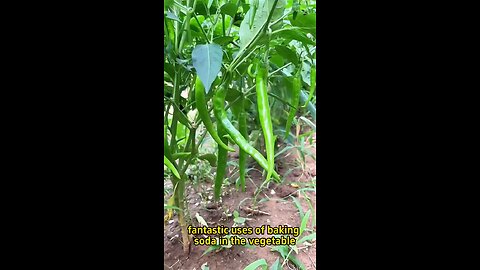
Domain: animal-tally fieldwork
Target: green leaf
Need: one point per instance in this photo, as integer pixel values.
(202, 8)
(260, 16)
(307, 238)
(223, 40)
(276, 265)
(167, 4)
(211, 158)
(258, 263)
(306, 22)
(287, 53)
(229, 9)
(283, 250)
(207, 60)
(171, 167)
(232, 95)
(292, 34)
(303, 225)
(169, 69)
(235, 214)
(277, 60)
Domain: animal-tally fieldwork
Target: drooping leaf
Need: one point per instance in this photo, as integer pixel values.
(207, 61)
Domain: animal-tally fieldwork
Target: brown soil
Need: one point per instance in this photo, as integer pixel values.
(279, 206)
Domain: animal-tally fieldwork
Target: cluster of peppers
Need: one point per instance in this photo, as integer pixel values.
(227, 129)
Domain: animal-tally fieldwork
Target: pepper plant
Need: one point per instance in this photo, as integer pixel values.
(233, 68)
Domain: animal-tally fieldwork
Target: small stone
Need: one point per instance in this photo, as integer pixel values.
(272, 192)
(268, 220)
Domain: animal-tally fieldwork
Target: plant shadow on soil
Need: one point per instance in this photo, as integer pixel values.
(282, 212)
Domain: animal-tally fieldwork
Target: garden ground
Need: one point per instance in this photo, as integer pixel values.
(275, 201)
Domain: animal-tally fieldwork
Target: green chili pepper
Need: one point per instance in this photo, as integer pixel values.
(221, 164)
(313, 81)
(238, 109)
(295, 99)
(242, 158)
(221, 115)
(204, 115)
(265, 118)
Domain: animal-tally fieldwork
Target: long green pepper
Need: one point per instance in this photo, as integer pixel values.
(242, 158)
(205, 116)
(221, 164)
(238, 109)
(221, 115)
(295, 100)
(265, 118)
